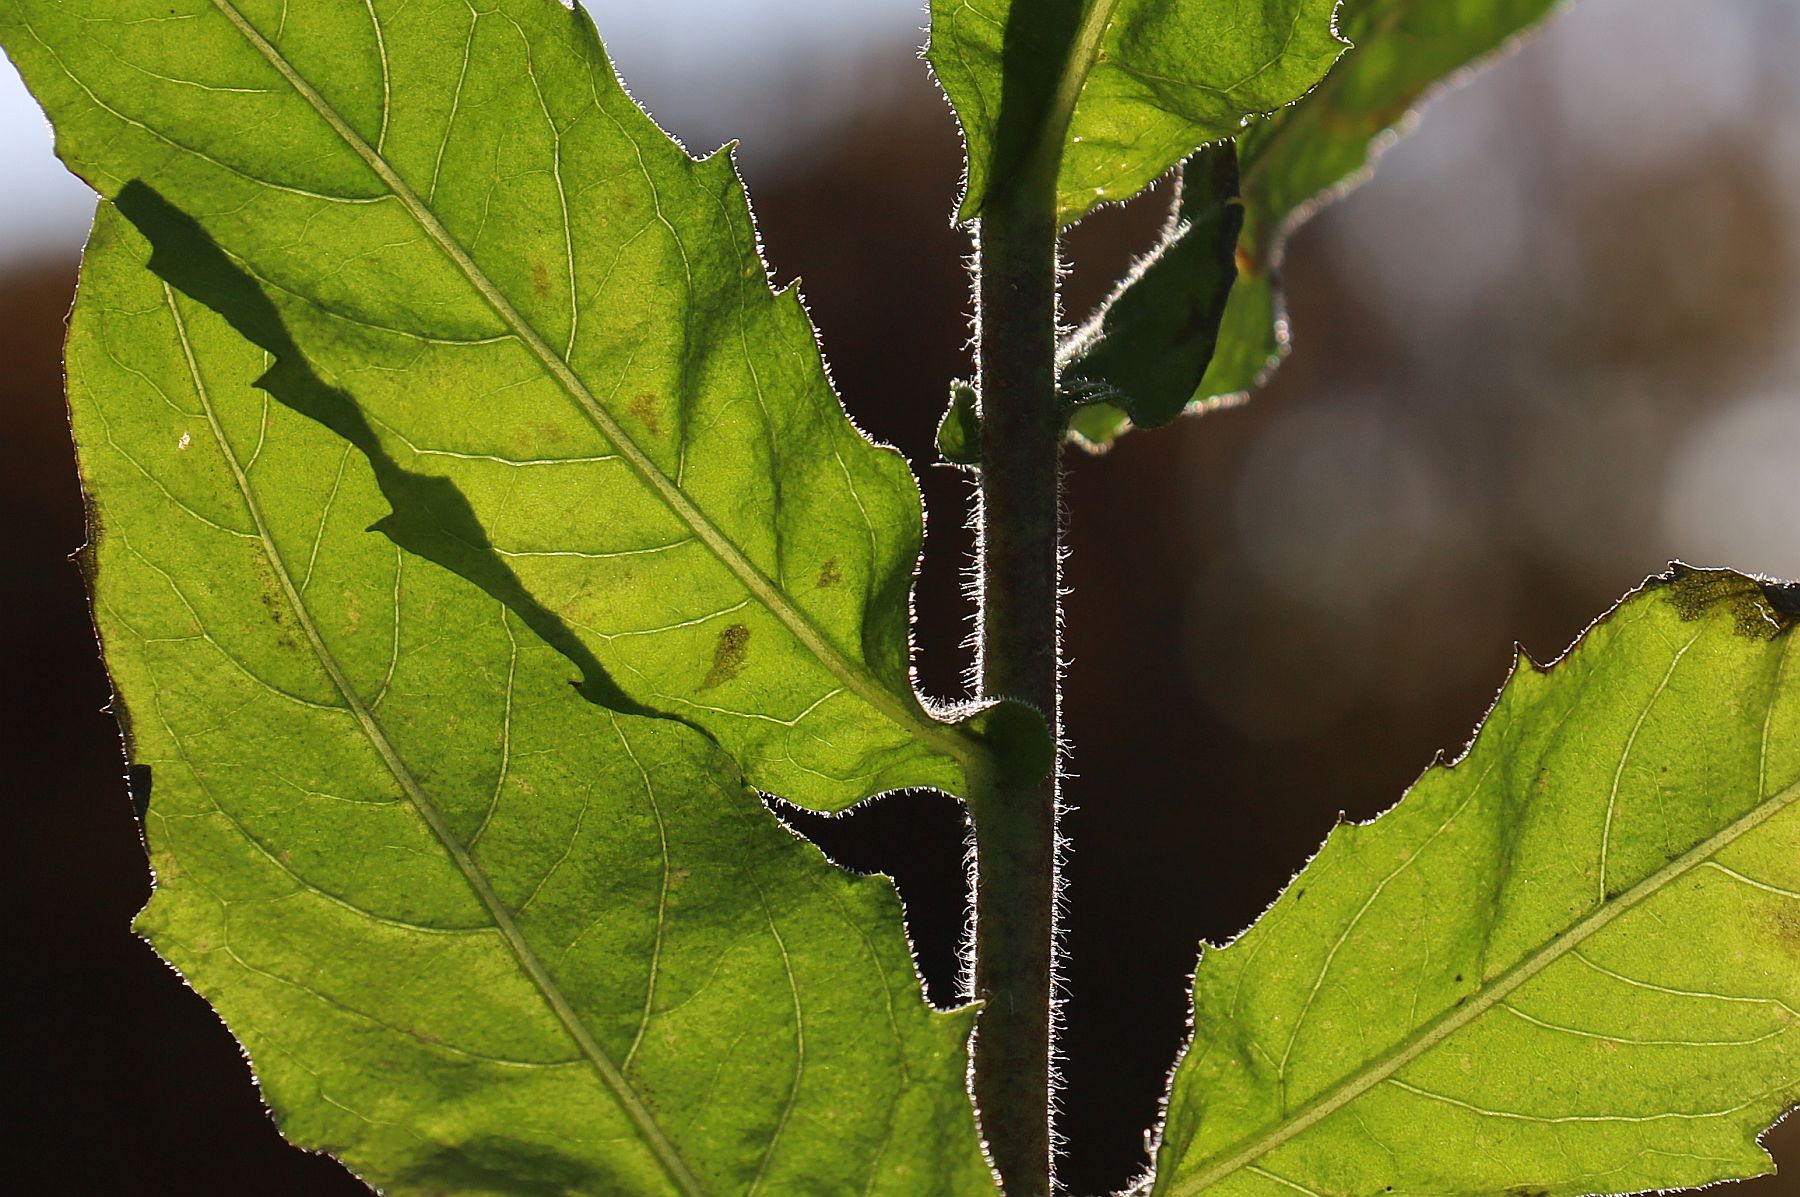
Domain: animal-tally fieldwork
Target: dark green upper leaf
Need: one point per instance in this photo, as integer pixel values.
(477, 935)
(1140, 355)
(1313, 149)
(550, 331)
(1569, 964)
(1404, 48)
(1105, 95)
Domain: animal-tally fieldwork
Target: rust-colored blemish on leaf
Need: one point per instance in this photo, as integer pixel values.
(643, 406)
(728, 656)
(1784, 925)
(829, 575)
(1761, 610)
(1246, 265)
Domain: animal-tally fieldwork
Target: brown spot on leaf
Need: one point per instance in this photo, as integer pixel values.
(275, 603)
(1784, 923)
(728, 656)
(540, 280)
(1761, 610)
(829, 575)
(1246, 265)
(643, 406)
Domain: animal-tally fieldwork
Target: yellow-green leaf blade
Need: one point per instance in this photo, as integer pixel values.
(1112, 93)
(463, 225)
(477, 934)
(1565, 965)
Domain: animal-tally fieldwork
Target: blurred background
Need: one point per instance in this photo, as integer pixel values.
(1553, 344)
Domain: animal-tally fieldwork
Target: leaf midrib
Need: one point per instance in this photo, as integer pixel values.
(1044, 168)
(1248, 1150)
(939, 736)
(634, 1105)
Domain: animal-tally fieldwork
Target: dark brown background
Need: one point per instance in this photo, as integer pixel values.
(1276, 614)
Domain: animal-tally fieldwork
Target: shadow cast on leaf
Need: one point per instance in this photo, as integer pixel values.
(494, 1164)
(430, 516)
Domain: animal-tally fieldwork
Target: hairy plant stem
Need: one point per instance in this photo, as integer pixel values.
(1015, 827)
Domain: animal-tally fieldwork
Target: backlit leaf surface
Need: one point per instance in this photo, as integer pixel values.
(550, 330)
(478, 935)
(1117, 91)
(1569, 964)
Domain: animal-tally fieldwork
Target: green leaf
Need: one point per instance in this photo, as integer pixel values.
(1568, 964)
(1143, 353)
(1105, 95)
(1404, 49)
(1315, 150)
(1095, 426)
(549, 329)
(477, 935)
(959, 432)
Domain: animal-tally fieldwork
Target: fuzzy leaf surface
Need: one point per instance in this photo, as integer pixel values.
(1568, 964)
(477, 935)
(549, 329)
(1106, 95)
